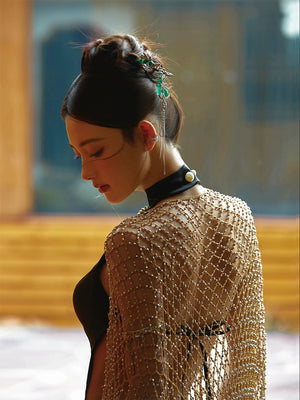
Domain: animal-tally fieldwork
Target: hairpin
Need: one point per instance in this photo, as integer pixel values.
(148, 64)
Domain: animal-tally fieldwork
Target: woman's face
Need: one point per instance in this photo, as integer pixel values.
(115, 166)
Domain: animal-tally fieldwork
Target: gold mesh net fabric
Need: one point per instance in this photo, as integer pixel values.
(186, 314)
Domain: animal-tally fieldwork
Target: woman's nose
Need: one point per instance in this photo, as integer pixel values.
(87, 173)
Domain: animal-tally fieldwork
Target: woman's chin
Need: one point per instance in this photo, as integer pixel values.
(114, 199)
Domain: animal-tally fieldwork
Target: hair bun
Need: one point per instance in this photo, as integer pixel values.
(96, 57)
(104, 55)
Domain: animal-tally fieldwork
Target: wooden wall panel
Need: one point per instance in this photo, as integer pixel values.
(15, 107)
(279, 243)
(42, 260)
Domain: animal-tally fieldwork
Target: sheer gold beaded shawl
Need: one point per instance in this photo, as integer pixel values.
(186, 314)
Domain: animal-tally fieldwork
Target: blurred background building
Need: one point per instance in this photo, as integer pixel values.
(236, 73)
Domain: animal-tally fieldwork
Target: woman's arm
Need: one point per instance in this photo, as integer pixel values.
(135, 291)
(97, 377)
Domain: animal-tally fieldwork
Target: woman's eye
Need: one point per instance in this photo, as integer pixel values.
(76, 157)
(97, 154)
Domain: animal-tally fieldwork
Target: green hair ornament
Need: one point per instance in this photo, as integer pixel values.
(149, 64)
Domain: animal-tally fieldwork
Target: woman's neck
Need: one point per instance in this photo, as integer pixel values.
(162, 163)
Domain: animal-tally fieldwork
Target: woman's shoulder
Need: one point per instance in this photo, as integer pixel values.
(208, 205)
(127, 231)
(218, 203)
(227, 213)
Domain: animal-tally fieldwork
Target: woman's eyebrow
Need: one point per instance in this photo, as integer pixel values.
(84, 142)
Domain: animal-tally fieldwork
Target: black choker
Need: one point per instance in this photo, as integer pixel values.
(175, 183)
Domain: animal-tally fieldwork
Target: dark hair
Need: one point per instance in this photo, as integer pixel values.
(114, 90)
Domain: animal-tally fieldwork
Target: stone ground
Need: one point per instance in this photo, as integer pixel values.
(43, 363)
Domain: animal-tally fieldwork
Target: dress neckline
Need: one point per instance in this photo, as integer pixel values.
(179, 181)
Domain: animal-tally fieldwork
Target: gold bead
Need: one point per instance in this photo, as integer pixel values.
(189, 176)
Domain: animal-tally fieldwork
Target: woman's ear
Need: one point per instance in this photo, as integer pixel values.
(149, 134)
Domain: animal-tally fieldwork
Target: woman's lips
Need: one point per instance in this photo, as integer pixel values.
(103, 188)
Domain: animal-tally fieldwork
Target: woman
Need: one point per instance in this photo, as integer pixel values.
(173, 309)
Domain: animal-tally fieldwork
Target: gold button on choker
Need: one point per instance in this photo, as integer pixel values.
(190, 175)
